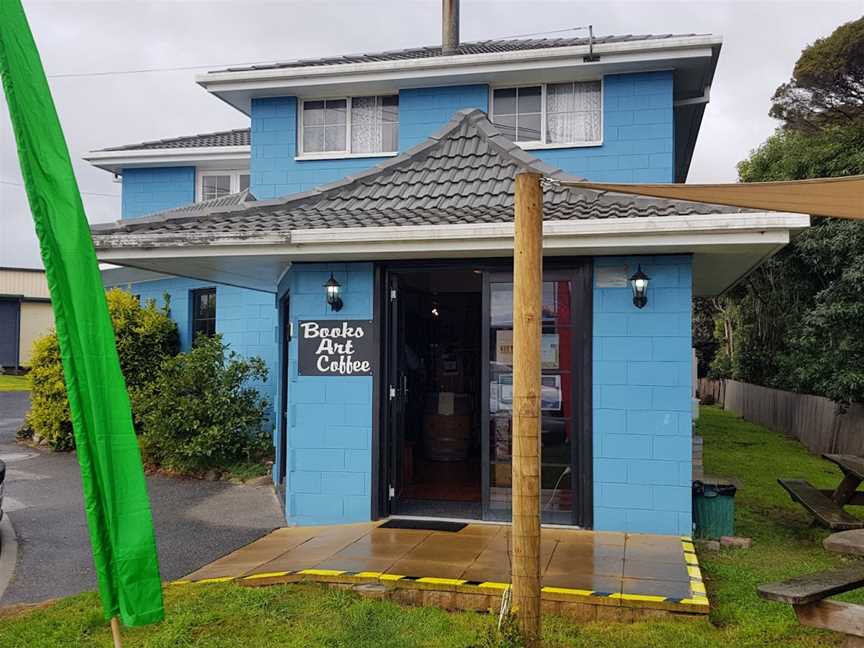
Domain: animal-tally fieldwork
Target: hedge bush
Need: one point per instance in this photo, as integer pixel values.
(145, 335)
(49, 411)
(200, 412)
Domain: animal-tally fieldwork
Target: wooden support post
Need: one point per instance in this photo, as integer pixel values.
(527, 307)
(115, 632)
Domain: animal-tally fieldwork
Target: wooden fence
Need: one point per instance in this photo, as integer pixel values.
(816, 422)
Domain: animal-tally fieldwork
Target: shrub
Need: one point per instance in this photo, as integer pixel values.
(145, 335)
(49, 410)
(200, 411)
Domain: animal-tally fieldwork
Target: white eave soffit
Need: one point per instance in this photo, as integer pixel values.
(693, 53)
(214, 157)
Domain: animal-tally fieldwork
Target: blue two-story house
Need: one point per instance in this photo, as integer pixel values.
(358, 237)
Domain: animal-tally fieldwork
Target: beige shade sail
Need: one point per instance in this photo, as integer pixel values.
(837, 197)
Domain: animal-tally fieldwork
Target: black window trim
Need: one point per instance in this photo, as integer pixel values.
(194, 319)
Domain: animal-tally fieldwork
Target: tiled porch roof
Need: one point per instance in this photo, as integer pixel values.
(464, 174)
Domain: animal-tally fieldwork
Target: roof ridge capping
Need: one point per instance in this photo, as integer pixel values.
(470, 117)
(390, 187)
(185, 213)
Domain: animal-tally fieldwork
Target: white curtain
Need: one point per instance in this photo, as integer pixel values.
(573, 112)
(367, 120)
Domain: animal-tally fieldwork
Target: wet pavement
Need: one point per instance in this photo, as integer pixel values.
(196, 521)
(591, 568)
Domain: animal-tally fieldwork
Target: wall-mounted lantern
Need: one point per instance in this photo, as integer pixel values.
(334, 293)
(639, 283)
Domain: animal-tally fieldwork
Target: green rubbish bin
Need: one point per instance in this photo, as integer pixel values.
(713, 509)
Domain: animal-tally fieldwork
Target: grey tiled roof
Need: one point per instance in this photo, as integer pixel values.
(464, 174)
(205, 207)
(479, 47)
(238, 137)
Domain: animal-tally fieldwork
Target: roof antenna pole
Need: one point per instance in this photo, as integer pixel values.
(449, 26)
(591, 58)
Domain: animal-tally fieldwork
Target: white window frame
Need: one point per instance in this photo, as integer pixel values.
(346, 152)
(533, 145)
(233, 173)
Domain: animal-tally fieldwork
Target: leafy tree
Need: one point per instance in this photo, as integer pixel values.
(834, 151)
(705, 342)
(798, 321)
(825, 353)
(827, 84)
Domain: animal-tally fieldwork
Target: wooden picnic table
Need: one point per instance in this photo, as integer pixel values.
(827, 506)
(846, 542)
(808, 596)
(853, 475)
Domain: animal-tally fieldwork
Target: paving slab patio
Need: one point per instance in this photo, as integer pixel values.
(582, 571)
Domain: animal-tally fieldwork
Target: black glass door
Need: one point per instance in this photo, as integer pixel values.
(562, 432)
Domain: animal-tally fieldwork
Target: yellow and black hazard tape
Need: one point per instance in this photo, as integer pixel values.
(698, 595)
(697, 598)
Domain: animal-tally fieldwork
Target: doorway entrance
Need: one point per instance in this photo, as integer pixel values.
(447, 392)
(435, 400)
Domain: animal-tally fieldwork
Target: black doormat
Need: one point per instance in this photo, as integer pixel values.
(424, 525)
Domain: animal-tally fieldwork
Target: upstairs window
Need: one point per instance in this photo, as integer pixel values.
(350, 126)
(215, 184)
(203, 312)
(552, 114)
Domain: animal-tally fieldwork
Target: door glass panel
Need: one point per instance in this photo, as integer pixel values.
(556, 402)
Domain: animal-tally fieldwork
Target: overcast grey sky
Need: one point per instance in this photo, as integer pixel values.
(82, 43)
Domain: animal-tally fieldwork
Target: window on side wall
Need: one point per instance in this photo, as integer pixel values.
(203, 312)
(215, 184)
(349, 126)
(550, 114)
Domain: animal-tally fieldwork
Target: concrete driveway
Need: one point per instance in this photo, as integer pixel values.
(196, 521)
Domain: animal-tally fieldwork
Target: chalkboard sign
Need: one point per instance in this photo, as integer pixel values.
(336, 348)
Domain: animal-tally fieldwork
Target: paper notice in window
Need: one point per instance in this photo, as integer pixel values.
(445, 403)
(549, 350)
(504, 346)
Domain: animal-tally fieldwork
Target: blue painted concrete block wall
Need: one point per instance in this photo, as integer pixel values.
(329, 418)
(637, 144)
(637, 135)
(422, 111)
(642, 400)
(151, 190)
(247, 319)
(638, 139)
(275, 171)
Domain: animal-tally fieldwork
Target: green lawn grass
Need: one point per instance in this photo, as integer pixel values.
(14, 383)
(216, 616)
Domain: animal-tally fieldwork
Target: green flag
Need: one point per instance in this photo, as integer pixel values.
(115, 493)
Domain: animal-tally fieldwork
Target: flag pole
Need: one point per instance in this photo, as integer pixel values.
(115, 632)
(112, 477)
(527, 306)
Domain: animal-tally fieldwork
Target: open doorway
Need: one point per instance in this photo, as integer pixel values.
(435, 395)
